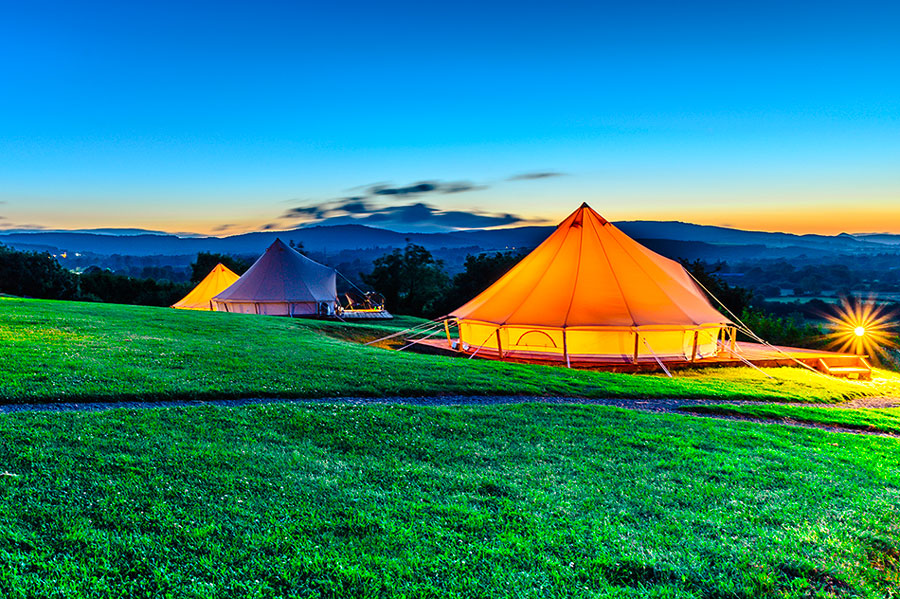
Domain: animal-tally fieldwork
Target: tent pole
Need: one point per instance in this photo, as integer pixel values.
(694, 351)
(566, 349)
(637, 340)
(499, 345)
(733, 337)
(447, 331)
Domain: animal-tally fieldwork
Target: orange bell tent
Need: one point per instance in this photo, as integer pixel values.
(218, 280)
(590, 292)
(282, 282)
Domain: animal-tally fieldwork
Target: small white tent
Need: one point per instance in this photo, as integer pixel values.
(283, 282)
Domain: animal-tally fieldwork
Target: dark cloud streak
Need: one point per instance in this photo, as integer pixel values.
(412, 217)
(535, 176)
(372, 207)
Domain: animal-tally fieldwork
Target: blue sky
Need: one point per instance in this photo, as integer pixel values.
(225, 117)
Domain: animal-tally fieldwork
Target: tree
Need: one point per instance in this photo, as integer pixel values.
(736, 299)
(411, 281)
(298, 245)
(481, 271)
(101, 285)
(35, 274)
(206, 261)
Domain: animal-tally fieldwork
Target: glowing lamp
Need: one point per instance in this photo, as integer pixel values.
(860, 331)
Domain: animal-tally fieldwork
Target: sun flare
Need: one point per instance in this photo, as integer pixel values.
(861, 327)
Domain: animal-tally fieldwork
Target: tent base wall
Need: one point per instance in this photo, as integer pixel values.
(758, 354)
(295, 309)
(604, 343)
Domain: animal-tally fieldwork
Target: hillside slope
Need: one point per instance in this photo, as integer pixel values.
(53, 351)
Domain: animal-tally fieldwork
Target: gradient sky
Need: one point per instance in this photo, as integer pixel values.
(221, 117)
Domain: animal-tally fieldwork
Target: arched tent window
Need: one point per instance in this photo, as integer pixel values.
(536, 339)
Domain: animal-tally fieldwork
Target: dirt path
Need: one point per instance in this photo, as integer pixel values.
(658, 406)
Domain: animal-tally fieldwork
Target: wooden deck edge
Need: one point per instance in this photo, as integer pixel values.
(441, 349)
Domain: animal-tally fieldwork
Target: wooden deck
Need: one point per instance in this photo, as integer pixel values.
(834, 363)
(366, 315)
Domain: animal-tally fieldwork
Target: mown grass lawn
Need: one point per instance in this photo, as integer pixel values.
(884, 420)
(69, 351)
(531, 500)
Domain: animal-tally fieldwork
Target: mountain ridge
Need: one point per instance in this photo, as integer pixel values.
(335, 238)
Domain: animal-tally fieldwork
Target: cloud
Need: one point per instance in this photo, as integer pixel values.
(22, 226)
(423, 187)
(301, 211)
(427, 216)
(409, 218)
(416, 189)
(398, 207)
(222, 228)
(356, 206)
(461, 187)
(534, 176)
(351, 205)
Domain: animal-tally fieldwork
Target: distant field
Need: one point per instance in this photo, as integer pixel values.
(69, 351)
(831, 299)
(395, 501)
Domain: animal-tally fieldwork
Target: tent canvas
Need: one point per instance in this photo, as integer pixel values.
(282, 282)
(218, 280)
(589, 291)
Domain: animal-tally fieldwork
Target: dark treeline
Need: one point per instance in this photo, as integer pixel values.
(39, 275)
(35, 274)
(413, 282)
(207, 261)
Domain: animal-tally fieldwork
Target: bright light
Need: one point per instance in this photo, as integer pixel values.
(861, 327)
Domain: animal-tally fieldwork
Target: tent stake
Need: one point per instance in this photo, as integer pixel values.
(658, 361)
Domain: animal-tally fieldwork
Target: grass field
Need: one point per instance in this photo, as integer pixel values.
(883, 420)
(340, 500)
(396, 501)
(68, 351)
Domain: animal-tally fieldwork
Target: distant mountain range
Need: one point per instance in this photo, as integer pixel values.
(683, 239)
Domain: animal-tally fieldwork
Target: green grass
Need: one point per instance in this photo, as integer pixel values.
(393, 501)
(69, 351)
(884, 420)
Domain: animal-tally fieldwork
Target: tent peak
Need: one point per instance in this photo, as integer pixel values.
(280, 246)
(585, 207)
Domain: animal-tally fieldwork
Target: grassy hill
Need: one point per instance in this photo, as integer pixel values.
(69, 351)
(399, 501)
(340, 500)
